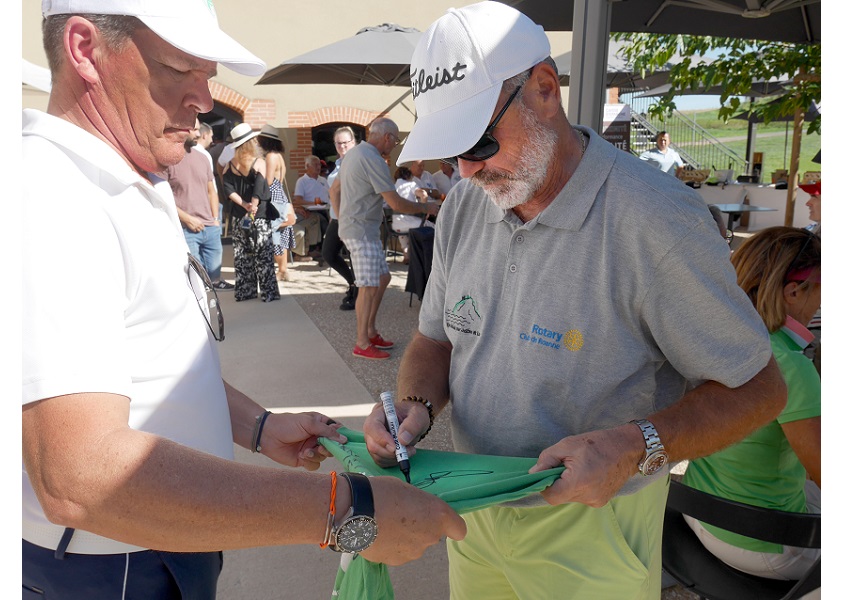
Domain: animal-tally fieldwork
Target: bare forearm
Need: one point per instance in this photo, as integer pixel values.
(431, 383)
(401, 205)
(243, 415)
(711, 416)
(183, 500)
(93, 473)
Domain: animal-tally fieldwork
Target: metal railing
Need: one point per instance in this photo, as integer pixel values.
(698, 148)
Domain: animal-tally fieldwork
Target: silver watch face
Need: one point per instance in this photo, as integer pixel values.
(654, 462)
(356, 534)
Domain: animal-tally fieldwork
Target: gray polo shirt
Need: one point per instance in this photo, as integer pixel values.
(363, 177)
(604, 308)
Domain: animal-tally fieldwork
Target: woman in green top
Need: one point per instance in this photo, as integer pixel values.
(778, 466)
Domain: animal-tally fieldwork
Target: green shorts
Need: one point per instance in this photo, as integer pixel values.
(570, 551)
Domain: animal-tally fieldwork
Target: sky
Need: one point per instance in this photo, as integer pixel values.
(697, 102)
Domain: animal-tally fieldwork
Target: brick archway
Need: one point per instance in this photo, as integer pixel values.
(304, 121)
(256, 112)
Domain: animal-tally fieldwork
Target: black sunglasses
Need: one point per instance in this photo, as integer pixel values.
(809, 237)
(208, 308)
(487, 146)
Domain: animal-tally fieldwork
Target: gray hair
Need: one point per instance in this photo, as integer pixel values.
(514, 82)
(382, 126)
(115, 29)
(311, 159)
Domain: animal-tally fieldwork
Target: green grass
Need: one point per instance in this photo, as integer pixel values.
(773, 146)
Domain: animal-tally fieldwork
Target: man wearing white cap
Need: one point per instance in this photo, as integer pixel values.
(570, 316)
(129, 485)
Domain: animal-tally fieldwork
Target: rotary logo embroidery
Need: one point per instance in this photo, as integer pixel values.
(572, 340)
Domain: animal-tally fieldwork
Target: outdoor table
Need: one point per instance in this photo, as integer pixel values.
(317, 207)
(736, 210)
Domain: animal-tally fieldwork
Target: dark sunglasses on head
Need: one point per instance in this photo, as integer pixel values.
(791, 273)
(487, 146)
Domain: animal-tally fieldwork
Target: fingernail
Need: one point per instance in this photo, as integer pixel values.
(405, 438)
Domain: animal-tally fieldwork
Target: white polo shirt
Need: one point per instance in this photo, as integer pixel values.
(119, 317)
(310, 189)
(604, 308)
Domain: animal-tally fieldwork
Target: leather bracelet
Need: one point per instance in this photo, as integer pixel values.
(427, 405)
(258, 431)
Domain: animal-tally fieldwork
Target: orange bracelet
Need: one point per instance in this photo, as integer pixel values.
(331, 513)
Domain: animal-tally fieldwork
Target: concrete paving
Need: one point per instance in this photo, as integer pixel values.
(293, 355)
(277, 355)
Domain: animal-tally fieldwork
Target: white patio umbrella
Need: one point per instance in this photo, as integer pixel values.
(377, 55)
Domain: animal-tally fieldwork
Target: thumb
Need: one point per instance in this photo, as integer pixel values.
(322, 426)
(456, 527)
(545, 461)
(410, 429)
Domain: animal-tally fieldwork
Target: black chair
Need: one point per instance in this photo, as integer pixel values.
(696, 569)
(421, 255)
(390, 236)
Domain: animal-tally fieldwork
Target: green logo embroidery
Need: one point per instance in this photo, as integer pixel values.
(464, 316)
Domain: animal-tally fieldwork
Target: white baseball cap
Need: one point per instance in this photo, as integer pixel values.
(189, 25)
(457, 71)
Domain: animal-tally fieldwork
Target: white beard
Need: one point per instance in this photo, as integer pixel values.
(507, 190)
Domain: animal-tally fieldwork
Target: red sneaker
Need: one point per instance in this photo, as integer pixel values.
(370, 352)
(380, 342)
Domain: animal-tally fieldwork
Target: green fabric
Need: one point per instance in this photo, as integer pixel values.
(763, 470)
(466, 482)
(357, 578)
(567, 551)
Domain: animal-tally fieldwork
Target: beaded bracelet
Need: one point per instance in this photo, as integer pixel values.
(427, 405)
(258, 431)
(331, 513)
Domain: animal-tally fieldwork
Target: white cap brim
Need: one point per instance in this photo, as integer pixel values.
(451, 131)
(190, 26)
(210, 43)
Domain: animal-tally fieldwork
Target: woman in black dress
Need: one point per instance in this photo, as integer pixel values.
(245, 185)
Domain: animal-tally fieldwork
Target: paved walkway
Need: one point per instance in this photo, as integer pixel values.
(293, 355)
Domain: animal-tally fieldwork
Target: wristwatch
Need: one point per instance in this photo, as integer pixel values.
(656, 456)
(358, 529)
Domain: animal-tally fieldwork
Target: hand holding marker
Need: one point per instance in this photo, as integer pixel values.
(387, 398)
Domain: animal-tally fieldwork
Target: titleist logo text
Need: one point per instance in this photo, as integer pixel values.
(422, 83)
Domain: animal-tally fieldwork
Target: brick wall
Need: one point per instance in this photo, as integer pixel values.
(303, 123)
(256, 112)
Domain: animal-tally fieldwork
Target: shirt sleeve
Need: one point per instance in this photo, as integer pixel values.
(406, 189)
(803, 383)
(379, 176)
(711, 332)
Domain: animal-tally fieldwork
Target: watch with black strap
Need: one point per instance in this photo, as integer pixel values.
(358, 529)
(656, 456)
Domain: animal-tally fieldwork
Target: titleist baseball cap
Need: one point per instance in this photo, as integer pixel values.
(457, 71)
(189, 25)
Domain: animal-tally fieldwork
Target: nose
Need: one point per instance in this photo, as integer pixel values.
(201, 99)
(468, 168)
(197, 93)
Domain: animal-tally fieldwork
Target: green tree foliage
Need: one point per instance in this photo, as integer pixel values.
(733, 64)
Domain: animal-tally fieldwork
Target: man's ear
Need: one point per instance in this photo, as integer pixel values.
(83, 47)
(547, 90)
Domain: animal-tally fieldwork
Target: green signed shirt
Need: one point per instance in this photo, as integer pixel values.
(466, 482)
